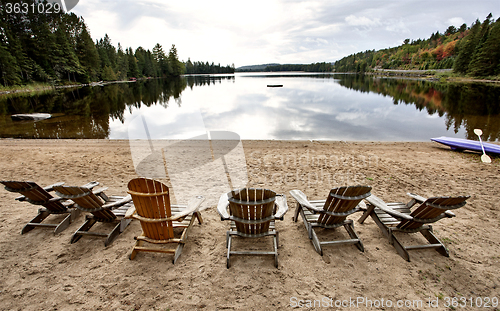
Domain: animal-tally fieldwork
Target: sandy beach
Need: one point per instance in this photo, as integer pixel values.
(43, 271)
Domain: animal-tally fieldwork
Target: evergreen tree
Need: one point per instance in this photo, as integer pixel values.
(467, 48)
(487, 59)
(175, 64)
(121, 63)
(133, 70)
(160, 59)
(88, 56)
(9, 70)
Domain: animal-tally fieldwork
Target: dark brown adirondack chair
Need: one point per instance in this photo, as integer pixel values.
(252, 213)
(397, 217)
(34, 194)
(104, 209)
(331, 213)
(160, 220)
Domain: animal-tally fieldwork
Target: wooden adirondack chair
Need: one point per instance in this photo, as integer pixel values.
(160, 221)
(331, 213)
(34, 194)
(104, 209)
(252, 213)
(397, 217)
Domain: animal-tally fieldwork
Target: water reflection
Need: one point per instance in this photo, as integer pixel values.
(462, 105)
(309, 106)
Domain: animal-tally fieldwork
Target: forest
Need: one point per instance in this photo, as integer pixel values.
(314, 67)
(57, 48)
(472, 51)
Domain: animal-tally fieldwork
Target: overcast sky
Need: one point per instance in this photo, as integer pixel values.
(274, 31)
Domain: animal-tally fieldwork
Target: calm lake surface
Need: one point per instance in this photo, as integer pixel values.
(308, 106)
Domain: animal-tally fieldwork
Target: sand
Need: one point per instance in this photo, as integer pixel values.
(43, 271)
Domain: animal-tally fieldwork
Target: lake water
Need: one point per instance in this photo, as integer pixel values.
(307, 106)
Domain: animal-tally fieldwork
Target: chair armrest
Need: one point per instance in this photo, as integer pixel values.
(130, 212)
(121, 202)
(51, 187)
(362, 206)
(222, 207)
(302, 200)
(282, 206)
(192, 207)
(377, 202)
(100, 190)
(418, 198)
(91, 185)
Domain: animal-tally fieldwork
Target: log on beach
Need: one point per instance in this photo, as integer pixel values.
(30, 116)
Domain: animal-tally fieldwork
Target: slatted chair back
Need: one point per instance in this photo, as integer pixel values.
(86, 201)
(342, 200)
(35, 195)
(432, 210)
(151, 200)
(252, 209)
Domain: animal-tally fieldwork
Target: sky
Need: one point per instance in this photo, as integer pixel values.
(274, 31)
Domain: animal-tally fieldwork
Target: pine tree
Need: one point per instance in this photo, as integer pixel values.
(88, 56)
(133, 70)
(175, 64)
(9, 70)
(122, 64)
(487, 59)
(467, 47)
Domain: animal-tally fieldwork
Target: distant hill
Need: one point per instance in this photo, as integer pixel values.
(473, 51)
(254, 67)
(314, 67)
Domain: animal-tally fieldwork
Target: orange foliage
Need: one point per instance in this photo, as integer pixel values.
(449, 49)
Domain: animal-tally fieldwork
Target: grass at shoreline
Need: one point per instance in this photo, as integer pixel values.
(32, 87)
(441, 76)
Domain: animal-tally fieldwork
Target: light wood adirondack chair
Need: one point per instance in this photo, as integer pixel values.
(252, 213)
(397, 217)
(104, 209)
(331, 213)
(34, 194)
(160, 220)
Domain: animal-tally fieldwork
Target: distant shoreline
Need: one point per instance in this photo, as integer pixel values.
(430, 75)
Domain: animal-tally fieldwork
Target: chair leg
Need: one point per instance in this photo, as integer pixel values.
(178, 252)
(350, 229)
(63, 224)
(228, 263)
(75, 212)
(367, 213)
(382, 227)
(275, 240)
(315, 242)
(42, 214)
(138, 243)
(198, 215)
(113, 234)
(399, 247)
(84, 228)
(297, 211)
(427, 233)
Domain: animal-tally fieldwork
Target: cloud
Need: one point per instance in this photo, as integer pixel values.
(263, 31)
(362, 21)
(456, 21)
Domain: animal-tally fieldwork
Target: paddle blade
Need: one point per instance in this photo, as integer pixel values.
(485, 158)
(478, 132)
